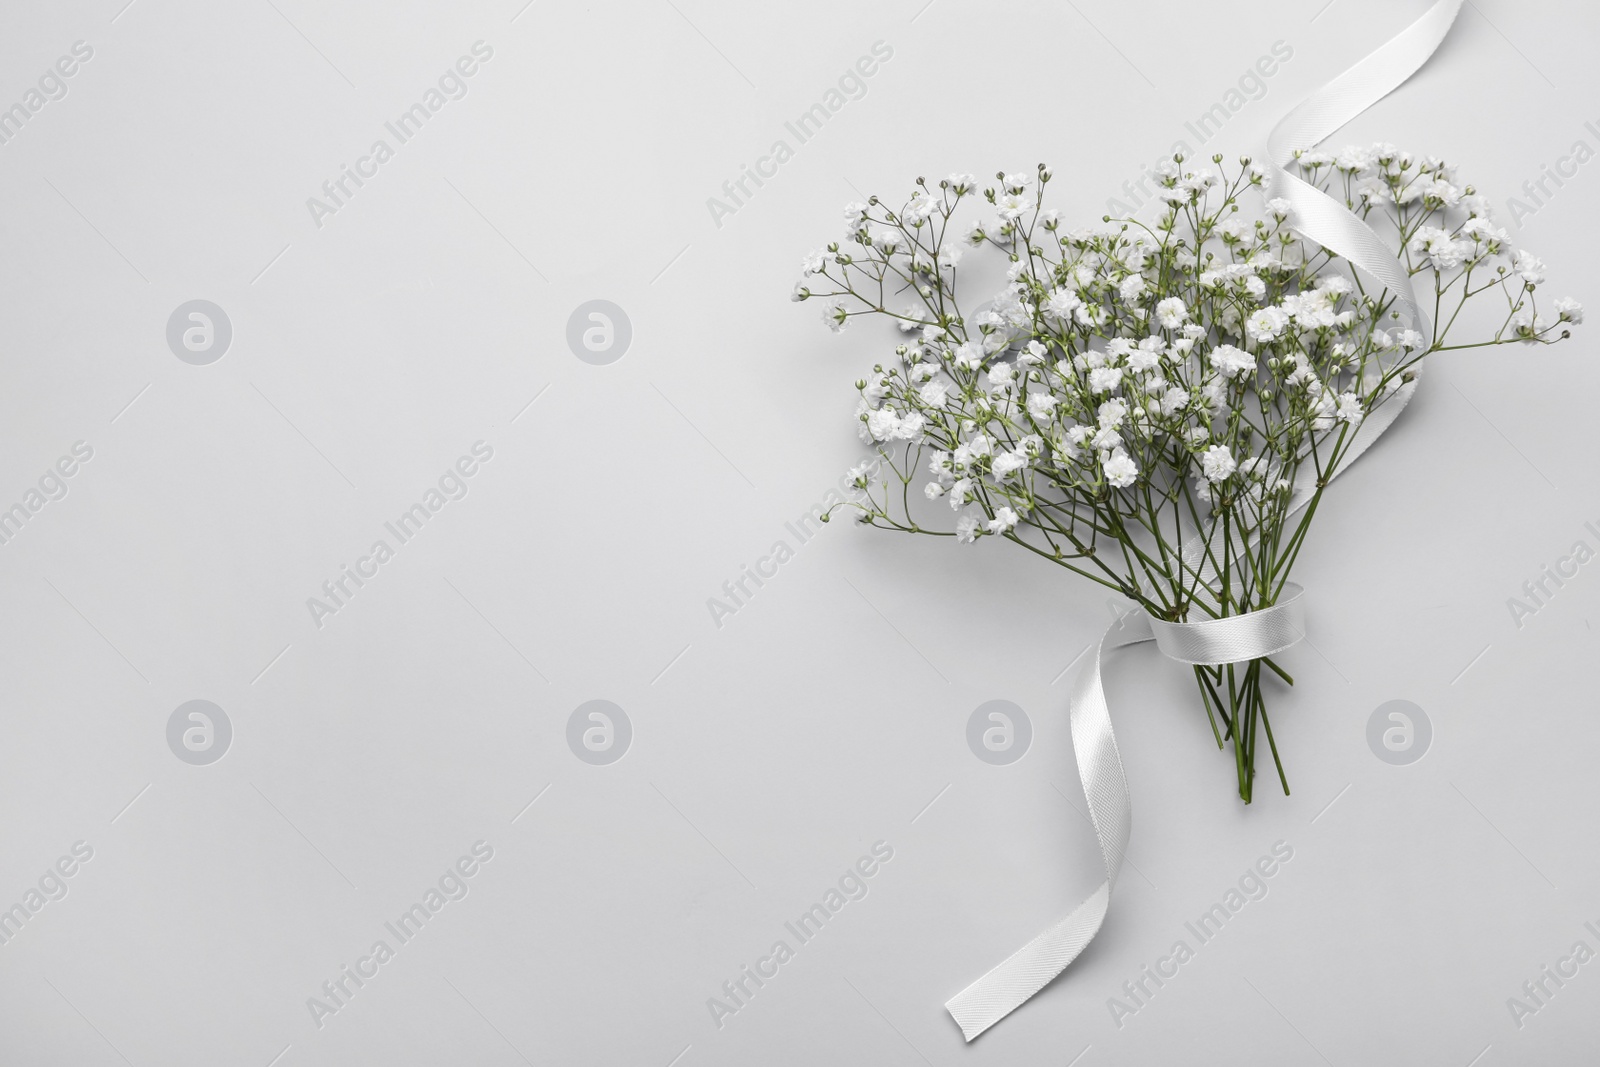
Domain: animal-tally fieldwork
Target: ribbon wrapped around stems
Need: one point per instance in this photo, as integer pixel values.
(1232, 639)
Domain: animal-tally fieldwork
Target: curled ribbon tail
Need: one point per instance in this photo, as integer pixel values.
(1105, 785)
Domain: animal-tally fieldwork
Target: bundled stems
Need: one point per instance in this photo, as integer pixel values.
(1241, 710)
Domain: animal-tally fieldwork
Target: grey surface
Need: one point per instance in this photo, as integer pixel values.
(767, 755)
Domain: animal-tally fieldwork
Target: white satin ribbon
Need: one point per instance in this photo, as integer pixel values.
(1319, 218)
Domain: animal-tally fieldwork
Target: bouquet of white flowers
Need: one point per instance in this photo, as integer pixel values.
(1158, 407)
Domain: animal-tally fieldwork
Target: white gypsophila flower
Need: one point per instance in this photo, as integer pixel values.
(1106, 439)
(882, 424)
(970, 523)
(1481, 229)
(1253, 467)
(920, 207)
(1004, 519)
(814, 262)
(966, 357)
(933, 490)
(835, 315)
(1442, 191)
(1279, 207)
(1011, 206)
(1015, 183)
(1529, 266)
(1032, 354)
(1303, 377)
(1171, 312)
(1199, 180)
(1349, 409)
(1008, 463)
(1353, 158)
(974, 233)
(960, 493)
(1323, 410)
(1528, 325)
(854, 214)
(1001, 373)
(1377, 193)
(911, 427)
(1217, 464)
(887, 240)
(1062, 302)
(1265, 325)
(1042, 405)
(1443, 251)
(1147, 356)
(949, 256)
(962, 184)
(1569, 310)
(934, 394)
(1231, 362)
(1174, 401)
(1112, 412)
(1120, 469)
(1131, 288)
(1235, 230)
(1311, 309)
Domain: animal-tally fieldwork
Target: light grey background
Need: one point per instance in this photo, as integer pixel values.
(767, 755)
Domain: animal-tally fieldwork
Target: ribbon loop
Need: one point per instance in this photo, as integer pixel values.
(1236, 638)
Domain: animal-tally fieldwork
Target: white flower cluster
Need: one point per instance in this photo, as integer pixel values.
(1138, 403)
(1193, 366)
